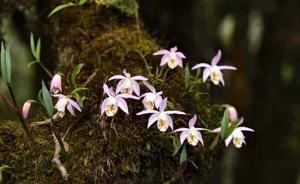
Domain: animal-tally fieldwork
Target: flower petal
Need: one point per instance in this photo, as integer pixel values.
(180, 54)
(245, 129)
(71, 109)
(75, 104)
(179, 61)
(183, 136)
(152, 119)
(174, 49)
(175, 112)
(125, 95)
(26, 108)
(228, 140)
(106, 89)
(222, 80)
(181, 130)
(216, 130)
(163, 104)
(216, 58)
(122, 104)
(149, 86)
(200, 65)
(120, 85)
(139, 77)
(136, 87)
(126, 73)
(105, 101)
(164, 59)
(192, 121)
(170, 121)
(158, 101)
(161, 52)
(147, 112)
(226, 67)
(116, 77)
(206, 73)
(199, 137)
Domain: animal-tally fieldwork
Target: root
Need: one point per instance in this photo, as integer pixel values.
(56, 158)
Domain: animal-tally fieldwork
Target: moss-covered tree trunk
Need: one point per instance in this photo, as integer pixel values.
(106, 41)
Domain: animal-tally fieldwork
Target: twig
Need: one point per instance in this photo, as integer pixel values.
(56, 159)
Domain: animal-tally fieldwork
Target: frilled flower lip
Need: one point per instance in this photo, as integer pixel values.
(171, 54)
(186, 131)
(65, 102)
(161, 114)
(213, 67)
(127, 81)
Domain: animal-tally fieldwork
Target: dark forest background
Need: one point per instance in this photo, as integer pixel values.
(261, 38)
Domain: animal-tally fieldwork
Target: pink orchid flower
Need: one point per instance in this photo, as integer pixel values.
(56, 86)
(162, 117)
(151, 99)
(192, 134)
(111, 104)
(213, 70)
(65, 102)
(172, 57)
(128, 84)
(26, 108)
(237, 137)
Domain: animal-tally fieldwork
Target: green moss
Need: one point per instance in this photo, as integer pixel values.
(107, 44)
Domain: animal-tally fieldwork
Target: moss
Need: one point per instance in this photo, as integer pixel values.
(106, 43)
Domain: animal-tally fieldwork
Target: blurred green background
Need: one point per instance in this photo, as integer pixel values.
(260, 38)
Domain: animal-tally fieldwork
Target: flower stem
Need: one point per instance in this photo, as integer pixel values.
(19, 112)
(46, 70)
(55, 131)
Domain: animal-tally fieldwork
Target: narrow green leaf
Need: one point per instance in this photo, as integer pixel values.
(60, 7)
(47, 100)
(31, 63)
(187, 76)
(232, 126)
(224, 124)
(32, 44)
(1, 141)
(8, 65)
(79, 89)
(183, 155)
(39, 96)
(3, 71)
(74, 74)
(176, 145)
(82, 2)
(38, 50)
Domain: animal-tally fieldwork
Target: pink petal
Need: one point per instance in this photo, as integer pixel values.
(75, 104)
(183, 136)
(228, 140)
(180, 54)
(126, 73)
(226, 67)
(136, 87)
(59, 96)
(163, 104)
(149, 86)
(104, 104)
(179, 61)
(158, 101)
(222, 81)
(139, 77)
(164, 59)
(147, 112)
(71, 109)
(116, 77)
(199, 136)
(125, 95)
(181, 130)
(206, 73)
(106, 89)
(122, 104)
(174, 49)
(192, 121)
(170, 121)
(152, 119)
(216, 58)
(175, 112)
(161, 52)
(120, 85)
(233, 114)
(201, 65)
(217, 130)
(245, 129)
(26, 108)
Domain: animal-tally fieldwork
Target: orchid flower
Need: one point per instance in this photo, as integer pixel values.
(213, 70)
(171, 57)
(65, 102)
(192, 134)
(128, 84)
(162, 117)
(237, 137)
(151, 99)
(233, 114)
(26, 108)
(111, 104)
(55, 86)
